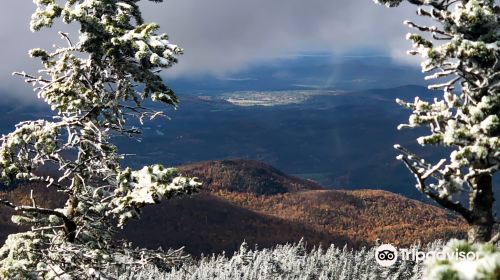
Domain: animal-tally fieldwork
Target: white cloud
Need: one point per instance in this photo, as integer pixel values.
(224, 36)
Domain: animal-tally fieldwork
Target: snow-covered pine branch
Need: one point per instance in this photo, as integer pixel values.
(465, 60)
(95, 83)
(463, 54)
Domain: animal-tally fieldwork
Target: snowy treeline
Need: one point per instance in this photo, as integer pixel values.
(288, 262)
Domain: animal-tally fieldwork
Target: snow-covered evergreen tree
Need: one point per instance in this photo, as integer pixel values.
(95, 83)
(286, 262)
(462, 53)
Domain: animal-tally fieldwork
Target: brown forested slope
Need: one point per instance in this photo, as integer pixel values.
(363, 216)
(247, 200)
(246, 176)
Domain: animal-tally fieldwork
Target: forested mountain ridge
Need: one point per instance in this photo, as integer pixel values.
(250, 201)
(246, 176)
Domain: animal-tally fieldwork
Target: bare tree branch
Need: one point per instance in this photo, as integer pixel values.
(455, 206)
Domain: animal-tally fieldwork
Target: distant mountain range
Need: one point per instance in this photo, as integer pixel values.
(248, 200)
(339, 139)
(319, 71)
(342, 140)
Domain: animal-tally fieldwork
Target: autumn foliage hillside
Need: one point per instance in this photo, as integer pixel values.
(362, 216)
(248, 200)
(245, 176)
(253, 202)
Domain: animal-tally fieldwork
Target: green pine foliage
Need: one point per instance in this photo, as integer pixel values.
(95, 83)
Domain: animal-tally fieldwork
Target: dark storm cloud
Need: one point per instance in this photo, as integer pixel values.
(221, 36)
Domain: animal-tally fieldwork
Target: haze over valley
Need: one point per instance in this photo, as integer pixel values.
(340, 134)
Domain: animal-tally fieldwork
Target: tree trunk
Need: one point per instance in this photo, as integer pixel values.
(481, 206)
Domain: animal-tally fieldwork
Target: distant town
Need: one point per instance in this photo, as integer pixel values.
(272, 98)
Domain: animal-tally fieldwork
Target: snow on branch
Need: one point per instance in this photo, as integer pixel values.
(95, 84)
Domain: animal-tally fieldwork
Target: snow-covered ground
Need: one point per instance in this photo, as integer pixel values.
(288, 262)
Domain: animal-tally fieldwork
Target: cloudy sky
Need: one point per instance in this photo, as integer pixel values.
(221, 37)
